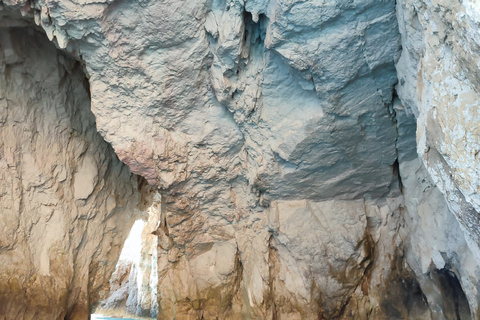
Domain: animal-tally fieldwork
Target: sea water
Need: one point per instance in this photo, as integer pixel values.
(102, 317)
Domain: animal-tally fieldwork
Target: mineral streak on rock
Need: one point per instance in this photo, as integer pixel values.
(294, 183)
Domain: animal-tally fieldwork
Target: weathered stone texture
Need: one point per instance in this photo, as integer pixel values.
(66, 201)
(438, 83)
(288, 171)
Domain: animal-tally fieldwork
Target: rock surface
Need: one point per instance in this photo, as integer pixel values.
(207, 90)
(66, 201)
(292, 183)
(439, 85)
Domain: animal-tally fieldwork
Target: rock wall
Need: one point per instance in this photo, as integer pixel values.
(438, 83)
(439, 86)
(66, 201)
(292, 184)
(206, 88)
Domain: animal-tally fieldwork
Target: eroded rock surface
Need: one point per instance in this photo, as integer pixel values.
(66, 201)
(288, 172)
(233, 92)
(438, 84)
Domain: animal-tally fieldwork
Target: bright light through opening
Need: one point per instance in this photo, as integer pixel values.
(132, 248)
(134, 282)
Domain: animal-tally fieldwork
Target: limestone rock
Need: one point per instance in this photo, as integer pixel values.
(438, 82)
(288, 171)
(66, 201)
(263, 92)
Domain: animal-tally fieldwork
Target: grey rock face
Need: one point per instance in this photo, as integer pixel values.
(265, 90)
(438, 83)
(437, 73)
(289, 177)
(228, 106)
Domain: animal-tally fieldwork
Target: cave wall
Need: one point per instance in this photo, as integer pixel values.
(66, 201)
(439, 87)
(438, 83)
(295, 185)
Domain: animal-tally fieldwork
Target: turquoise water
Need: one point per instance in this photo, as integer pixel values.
(101, 317)
(108, 318)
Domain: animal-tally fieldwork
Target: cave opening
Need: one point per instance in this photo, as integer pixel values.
(454, 301)
(133, 284)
